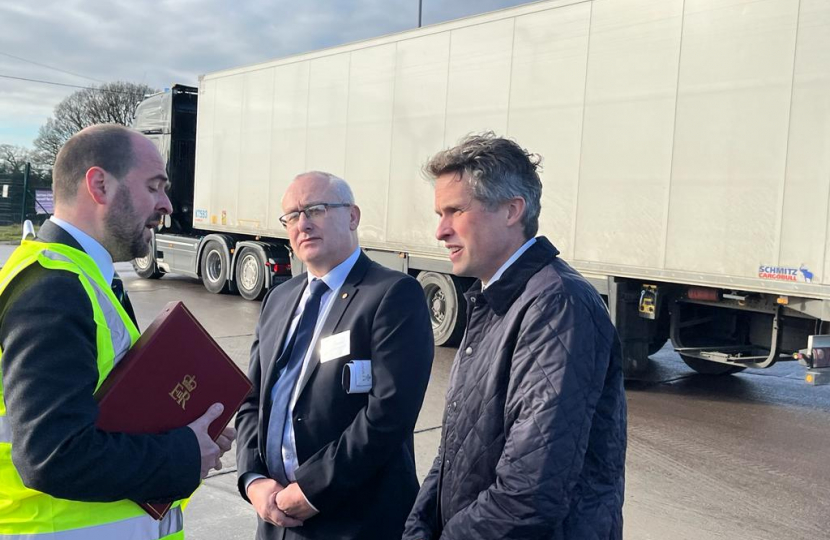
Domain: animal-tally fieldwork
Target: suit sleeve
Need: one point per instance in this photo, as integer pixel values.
(49, 376)
(556, 379)
(248, 460)
(402, 351)
(422, 521)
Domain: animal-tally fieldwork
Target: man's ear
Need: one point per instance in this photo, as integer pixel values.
(98, 185)
(354, 217)
(515, 210)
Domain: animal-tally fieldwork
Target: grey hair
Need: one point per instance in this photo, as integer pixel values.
(341, 187)
(497, 170)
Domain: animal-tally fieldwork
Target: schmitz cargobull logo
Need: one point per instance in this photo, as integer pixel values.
(785, 273)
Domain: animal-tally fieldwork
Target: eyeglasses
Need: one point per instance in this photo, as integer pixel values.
(313, 212)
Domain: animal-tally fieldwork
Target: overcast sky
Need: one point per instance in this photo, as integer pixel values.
(174, 41)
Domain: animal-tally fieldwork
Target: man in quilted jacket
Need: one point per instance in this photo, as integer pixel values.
(534, 432)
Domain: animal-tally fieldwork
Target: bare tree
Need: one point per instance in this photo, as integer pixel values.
(13, 158)
(110, 103)
(51, 137)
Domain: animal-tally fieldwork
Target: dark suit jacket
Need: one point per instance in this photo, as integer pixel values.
(49, 375)
(355, 451)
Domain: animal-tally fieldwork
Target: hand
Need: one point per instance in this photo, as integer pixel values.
(263, 495)
(225, 440)
(210, 451)
(292, 501)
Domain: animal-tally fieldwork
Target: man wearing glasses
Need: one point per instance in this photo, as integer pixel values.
(340, 363)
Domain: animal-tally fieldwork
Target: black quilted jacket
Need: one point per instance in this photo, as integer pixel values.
(534, 436)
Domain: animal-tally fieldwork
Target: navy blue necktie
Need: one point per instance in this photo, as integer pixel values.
(292, 357)
(121, 296)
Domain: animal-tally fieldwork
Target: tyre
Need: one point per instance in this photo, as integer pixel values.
(707, 367)
(214, 266)
(447, 307)
(250, 274)
(147, 267)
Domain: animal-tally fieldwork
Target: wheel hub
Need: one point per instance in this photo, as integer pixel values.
(438, 307)
(213, 266)
(250, 273)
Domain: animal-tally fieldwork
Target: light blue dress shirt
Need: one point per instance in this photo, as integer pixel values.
(334, 280)
(102, 257)
(507, 263)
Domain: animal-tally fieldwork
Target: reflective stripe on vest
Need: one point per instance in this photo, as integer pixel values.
(5, 430)
(119, 333)
(137, 528)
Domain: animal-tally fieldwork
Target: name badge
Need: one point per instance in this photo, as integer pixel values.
(336, 346)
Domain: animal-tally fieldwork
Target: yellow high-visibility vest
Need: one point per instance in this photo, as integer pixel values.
(29, 514)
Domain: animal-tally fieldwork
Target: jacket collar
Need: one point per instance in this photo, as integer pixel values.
(52, 233)
(501, 294)
(346, 294)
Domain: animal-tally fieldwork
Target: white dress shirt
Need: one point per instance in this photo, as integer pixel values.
(507, 263)
(102, 257)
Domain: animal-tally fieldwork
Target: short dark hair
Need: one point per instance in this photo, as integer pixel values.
(497, 170)
(109, 146)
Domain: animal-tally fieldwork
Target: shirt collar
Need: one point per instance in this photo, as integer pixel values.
(507, 263)
(101, 257)
(337, 275)
(500, 296)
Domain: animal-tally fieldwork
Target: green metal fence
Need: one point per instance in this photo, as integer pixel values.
(22, 199)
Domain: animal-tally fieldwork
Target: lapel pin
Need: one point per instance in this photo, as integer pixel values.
(345, 295)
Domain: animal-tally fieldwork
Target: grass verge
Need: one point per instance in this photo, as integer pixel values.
(11, 234)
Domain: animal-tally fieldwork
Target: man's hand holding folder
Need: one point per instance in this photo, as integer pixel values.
(212, 451)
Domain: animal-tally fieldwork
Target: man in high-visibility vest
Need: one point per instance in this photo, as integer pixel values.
(62, 329)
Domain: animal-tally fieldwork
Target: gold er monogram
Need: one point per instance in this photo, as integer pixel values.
(181, 393)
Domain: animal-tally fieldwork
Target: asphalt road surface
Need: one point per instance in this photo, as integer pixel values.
(736, 457)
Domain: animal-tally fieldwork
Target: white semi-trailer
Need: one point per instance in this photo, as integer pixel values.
(686, 149)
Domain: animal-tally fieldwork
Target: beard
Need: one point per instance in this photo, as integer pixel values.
(124, 229)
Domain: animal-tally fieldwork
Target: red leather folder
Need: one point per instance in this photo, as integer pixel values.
(168, 379)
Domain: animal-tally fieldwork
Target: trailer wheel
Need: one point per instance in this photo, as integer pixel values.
(707, 367)
(147, 267)
(215, 268)
(250, 274)
(447, 309)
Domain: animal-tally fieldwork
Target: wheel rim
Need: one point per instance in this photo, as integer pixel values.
(143, 263)
(213, 266)
(249, 273)
(437, 303)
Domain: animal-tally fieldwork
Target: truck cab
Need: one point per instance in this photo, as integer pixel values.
(225, 262)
